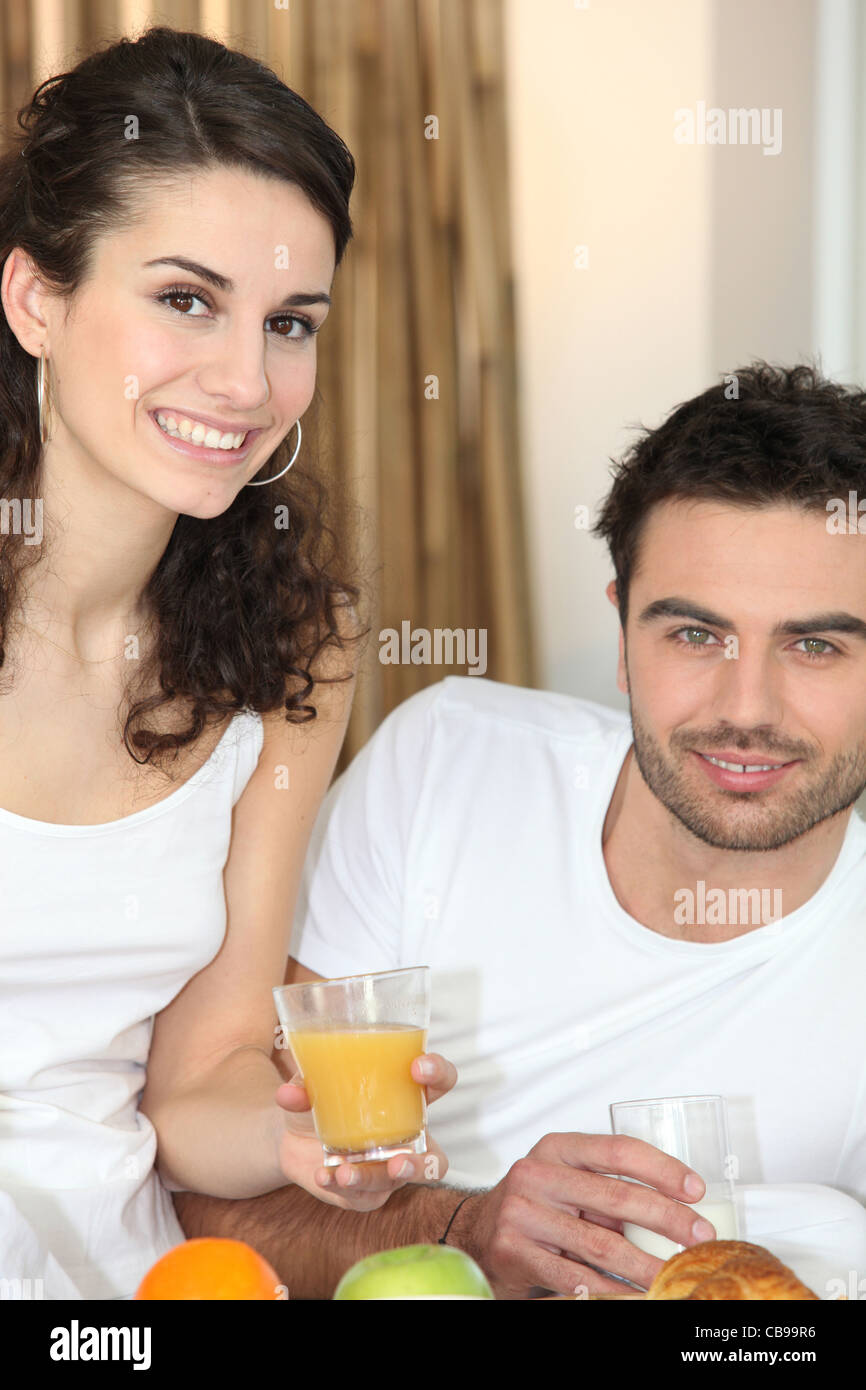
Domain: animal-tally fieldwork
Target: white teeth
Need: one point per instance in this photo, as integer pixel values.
(196, 433)
(742, 767)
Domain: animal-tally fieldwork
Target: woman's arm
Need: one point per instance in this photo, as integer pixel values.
(211, 1085)
(311, 1244)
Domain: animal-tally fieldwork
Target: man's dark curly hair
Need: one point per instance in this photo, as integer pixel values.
(764, 436)
(240, 608)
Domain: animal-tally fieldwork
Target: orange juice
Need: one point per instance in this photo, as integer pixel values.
(359, 1083)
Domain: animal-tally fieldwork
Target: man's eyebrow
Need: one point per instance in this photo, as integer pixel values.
(821, 622)
(222, 282)
(675, 607)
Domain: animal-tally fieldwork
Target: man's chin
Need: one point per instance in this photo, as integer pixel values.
(748, 833)
(743, 842)
(754, 822)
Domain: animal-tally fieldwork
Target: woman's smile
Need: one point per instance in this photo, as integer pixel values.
(207, 454)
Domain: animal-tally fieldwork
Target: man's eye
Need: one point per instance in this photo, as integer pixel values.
(829, 649)
(704, 638)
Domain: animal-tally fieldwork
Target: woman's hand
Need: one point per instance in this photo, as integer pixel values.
(360, 1186)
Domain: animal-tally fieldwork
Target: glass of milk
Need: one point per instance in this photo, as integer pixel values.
(693, 1129)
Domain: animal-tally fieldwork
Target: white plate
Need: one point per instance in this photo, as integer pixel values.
(817, 1231)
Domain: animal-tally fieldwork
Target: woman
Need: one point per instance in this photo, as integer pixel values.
(169, 232)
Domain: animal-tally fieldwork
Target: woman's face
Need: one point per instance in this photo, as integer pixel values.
(239, 355)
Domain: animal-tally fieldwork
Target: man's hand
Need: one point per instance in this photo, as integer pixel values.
(557, 1213)
(360, 1186)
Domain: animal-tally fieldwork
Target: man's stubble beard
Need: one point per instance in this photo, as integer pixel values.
(771, 824)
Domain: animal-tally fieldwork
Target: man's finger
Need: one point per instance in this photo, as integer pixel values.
(612, 1222)
(589, 1192)
(620, 1155)
(583, 1240)
(582, 1281)
(538, 1266)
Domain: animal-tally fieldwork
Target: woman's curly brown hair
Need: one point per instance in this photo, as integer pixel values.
(240, 607)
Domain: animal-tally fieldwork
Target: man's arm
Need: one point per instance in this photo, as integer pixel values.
(554, 1221)
(311, 1244)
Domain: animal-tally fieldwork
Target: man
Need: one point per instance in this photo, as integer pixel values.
(611, 906)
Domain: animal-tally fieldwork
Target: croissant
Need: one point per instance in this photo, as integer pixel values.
(727, 1269)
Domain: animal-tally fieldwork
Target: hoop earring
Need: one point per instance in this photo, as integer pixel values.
(262, 481)
(42, 396)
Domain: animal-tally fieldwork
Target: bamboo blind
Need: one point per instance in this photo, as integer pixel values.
(425, 291)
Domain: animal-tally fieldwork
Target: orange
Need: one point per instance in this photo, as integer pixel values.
(211, 1268)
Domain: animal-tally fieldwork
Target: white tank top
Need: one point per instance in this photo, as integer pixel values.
(100, 927)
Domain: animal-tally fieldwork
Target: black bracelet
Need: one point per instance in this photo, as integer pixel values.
(442, 1239)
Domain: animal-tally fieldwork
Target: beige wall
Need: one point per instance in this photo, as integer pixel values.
(699, 256)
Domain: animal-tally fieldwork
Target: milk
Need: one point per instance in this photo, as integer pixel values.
(721, 1215)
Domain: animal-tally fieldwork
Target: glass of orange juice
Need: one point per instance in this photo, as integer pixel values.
(353, 1040)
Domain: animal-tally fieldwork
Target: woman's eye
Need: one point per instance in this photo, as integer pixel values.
(169, 295)
(175, 293)
(188, 294)
(307, 329)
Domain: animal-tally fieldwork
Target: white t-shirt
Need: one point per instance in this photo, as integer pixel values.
(102, 925)
(466, 836)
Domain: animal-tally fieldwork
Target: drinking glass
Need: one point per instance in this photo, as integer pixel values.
(353, 1039)
(693, 1129)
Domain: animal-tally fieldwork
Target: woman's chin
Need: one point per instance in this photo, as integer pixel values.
(214, 503)
(190, 496)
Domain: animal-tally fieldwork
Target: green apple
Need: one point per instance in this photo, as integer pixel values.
(415, 1271)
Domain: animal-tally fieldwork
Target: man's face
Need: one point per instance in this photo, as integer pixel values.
(710, 677)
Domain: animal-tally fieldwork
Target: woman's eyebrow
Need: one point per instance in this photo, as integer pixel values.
(222, 282)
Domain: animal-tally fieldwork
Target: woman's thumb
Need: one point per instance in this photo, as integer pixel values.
(292, 1095)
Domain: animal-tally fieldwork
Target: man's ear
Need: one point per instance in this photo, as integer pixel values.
(621, 672)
